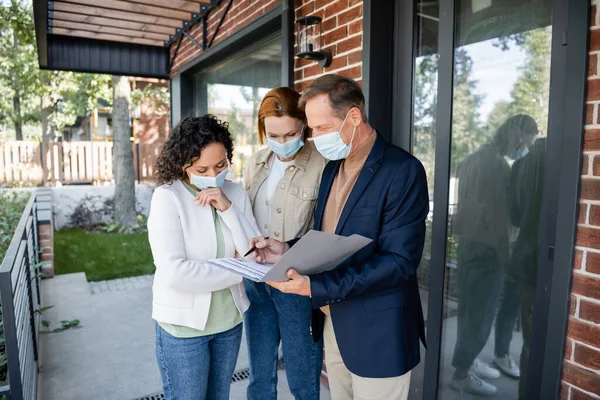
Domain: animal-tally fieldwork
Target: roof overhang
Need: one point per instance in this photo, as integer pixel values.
(119, 37)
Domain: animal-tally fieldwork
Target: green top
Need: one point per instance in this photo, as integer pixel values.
(223, 314)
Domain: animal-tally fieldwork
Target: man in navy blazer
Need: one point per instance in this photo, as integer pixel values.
(375, 319)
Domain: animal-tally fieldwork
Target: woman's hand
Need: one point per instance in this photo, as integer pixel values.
(213, 197)
(267, 250)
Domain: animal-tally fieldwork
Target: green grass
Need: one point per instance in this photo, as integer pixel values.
(102, 255)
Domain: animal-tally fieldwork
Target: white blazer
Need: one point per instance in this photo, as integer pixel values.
(182, 238)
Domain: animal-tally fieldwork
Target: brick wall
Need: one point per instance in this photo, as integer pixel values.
(240, 14)
(45, 226)
(342, 36)
(581, 372)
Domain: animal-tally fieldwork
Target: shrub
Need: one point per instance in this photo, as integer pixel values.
(12, 205)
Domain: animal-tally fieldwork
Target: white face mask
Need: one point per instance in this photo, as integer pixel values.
(331, 146)
(204, 182)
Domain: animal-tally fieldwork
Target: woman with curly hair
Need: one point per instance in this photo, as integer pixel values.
(196, 215)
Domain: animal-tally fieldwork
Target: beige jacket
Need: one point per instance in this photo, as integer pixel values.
(295, 199)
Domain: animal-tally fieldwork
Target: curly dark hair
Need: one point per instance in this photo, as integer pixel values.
(186, 141)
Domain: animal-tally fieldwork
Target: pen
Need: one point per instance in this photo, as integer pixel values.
(253, 248)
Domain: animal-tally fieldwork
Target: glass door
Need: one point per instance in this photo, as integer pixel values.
(480, 110)
(233, 90)
(500, 100)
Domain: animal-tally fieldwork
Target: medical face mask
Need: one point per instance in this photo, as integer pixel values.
(204, 182)
(286, 149)
(517, 154)
(331, 146)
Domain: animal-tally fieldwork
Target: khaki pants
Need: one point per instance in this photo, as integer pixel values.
(344, 385)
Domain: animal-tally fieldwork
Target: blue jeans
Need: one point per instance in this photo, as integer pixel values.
(274, 316)
(197, 368)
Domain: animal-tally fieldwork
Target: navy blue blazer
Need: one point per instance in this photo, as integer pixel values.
(373, 295)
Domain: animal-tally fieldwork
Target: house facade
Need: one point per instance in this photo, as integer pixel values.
(494, 97)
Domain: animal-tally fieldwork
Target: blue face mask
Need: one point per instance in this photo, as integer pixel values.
(331, 146)
(204, 182)
(517, 154)
(286, 149)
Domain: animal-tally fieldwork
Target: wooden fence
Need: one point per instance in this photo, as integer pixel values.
(33, 163)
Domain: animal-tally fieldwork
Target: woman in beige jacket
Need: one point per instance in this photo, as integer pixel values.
(282, 181)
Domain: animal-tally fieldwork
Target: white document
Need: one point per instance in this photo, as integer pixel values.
(316, 252)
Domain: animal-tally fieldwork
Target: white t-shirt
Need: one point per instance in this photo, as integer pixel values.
(278, 168)
(262, 202)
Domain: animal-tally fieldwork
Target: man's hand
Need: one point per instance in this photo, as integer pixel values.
(213, 197)
(298, 284)
(268, 251)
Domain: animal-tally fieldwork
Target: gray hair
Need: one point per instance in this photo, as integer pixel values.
(343, 94)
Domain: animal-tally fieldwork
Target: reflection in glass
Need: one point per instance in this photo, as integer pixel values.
(233, 91)
(500, 113)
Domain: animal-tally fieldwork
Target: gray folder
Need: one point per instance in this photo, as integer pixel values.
(316, 252)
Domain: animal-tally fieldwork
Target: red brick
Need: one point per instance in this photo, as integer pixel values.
(354, 58)
(592, 263)
(595, 166)
(300, 86)
(572, 305)
(589, 311)
(329, 24)
(577, 394)
(298, 75)
(595, 40)
(301, 62)
(568, 349)
(565, 391)
(349, 44)
(581, 378)
(313, 70)
(595, 215)
(584, 332)
(350, 15)
(590, 190)
(586, 356)
(354, 72)
(305, 10)
(593, 65)
(586, 285)
(594, 86)
(354, 2)
(593, 16)
(585, 165)
(47, 257)
(591, 139)
(589, 114)
(582, 214)
(335, 35)
(355, 27)
(578, 259)
(337, 63)
(322, 3)
(336, 7)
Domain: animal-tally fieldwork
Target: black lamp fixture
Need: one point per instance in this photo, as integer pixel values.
(310, 41)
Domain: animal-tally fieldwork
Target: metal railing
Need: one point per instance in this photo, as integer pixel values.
(20, 298)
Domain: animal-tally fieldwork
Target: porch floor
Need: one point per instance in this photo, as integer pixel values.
(111, 356)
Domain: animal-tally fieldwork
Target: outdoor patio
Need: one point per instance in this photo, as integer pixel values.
(111, 356)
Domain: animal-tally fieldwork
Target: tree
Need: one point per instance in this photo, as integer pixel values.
(467, 134)
(125, 214)
(18, 66)
(531, 92)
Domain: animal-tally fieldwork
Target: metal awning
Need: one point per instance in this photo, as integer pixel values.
(125, 37)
